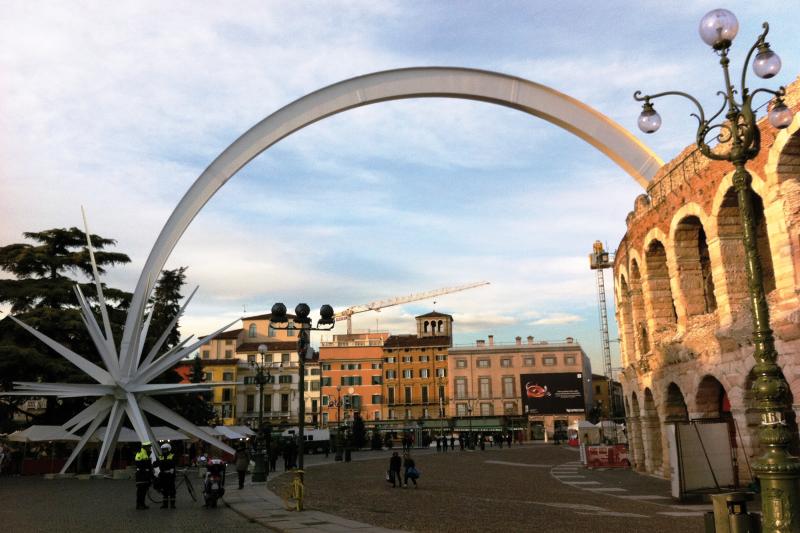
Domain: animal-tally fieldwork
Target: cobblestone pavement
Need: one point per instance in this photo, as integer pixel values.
(527, 488)
(33, 504)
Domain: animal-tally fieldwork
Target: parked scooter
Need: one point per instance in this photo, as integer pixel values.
(214, 484)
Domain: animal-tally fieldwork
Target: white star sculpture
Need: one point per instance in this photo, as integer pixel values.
(123, 386)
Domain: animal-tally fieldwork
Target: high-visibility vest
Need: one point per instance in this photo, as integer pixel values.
(142, 455)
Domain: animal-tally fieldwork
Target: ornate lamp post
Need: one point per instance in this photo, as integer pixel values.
(262, 378)
(325, 323)
(777, 470)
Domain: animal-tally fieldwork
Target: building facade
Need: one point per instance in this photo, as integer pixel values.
(415, 375)
(351, 377)
(682, 297)
(490, 384)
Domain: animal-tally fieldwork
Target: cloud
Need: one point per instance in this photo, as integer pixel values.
(557, 319)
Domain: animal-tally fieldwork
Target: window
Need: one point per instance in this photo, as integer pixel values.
(407, 358)
(326, 381)
(285, 358)
(441, 357)
(268, 358)
(376, 366)
(251, 332)
(350, 380)
(315, 371)
(425, 413)
(355, 402)
(376, 380)
(227, 411)
(228, 354)
(597, 389)
(529, 361)
(461, 409)
(208, 376)
(290, 329)
(424, 358)
(391, 414)
(441, 393)
(250, 403)
(267, 402)
(407, 394)
(441, 372)
(508, 387)
(285, 379)
(461, 363)
(482, 363)
(206, 354)
(376, 398)
(324, 419)
(569, 359)
(485, 387)
(407, 373)
(227, 376)
(271, 331)
(251, 358)
(390, 390)
(424, 373)
(461, 388)
(228, 342)
(486, 409)
(505, 363)
(408, 414)
(326, 400)
(227, 394)
(249, 380)
(376, 415)
(549, 361)
(424, 394)
(391, 374)
(314, 385)
(285, 402)
(391, 359)
(509, 408)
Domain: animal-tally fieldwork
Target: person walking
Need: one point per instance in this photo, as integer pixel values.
(452, 442)
(394, 470)
(438, 444)
(242, 461)
(444, 443)
(410, 471)
(144, 473)
(509, 438)
(166, 475)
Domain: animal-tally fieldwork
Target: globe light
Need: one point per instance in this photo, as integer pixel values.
(649, 119)
(718, 28)
(767, 63)
(780, 116)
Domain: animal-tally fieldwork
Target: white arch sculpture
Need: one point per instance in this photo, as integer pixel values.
(123, 386)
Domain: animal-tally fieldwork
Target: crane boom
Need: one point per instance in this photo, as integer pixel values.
(348, 313)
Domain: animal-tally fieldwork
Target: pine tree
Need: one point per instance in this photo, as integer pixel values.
(40, 293)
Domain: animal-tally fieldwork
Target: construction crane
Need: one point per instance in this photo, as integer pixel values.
(599, 260)
(348, 313)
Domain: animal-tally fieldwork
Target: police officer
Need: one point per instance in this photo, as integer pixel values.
(166, 475)
(144, 473)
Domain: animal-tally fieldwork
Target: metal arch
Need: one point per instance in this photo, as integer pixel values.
(419, 82)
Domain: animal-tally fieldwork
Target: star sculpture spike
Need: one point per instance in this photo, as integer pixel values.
(122, 387)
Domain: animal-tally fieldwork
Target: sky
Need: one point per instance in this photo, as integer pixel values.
(119, 106)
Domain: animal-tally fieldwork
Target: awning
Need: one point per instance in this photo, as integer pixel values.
(167, 433)
(243, 430)
(128, 435)
(125, 434)
(43, 434)
(228, 433)
(211, 431)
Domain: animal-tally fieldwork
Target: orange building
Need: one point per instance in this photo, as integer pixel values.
(415, 375)
(350, 374)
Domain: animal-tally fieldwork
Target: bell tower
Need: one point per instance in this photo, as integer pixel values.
(434, 324)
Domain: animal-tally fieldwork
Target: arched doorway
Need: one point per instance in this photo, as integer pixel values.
(711, 400)
(676, 410)
(654, 452)
(635, 431)
(517, 93)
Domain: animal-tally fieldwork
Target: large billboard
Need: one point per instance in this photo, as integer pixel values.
(552, 394)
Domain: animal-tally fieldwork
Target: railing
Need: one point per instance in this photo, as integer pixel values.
(504, 345)
(689, 166)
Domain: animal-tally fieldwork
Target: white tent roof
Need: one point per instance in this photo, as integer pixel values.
(229, 433)
(582, 424)
(129, 435)
(43, 434)
(211, 431)
(243, 430)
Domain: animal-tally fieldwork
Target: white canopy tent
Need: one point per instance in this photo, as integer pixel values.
(229, 433)
(128, 435)
(243, 430)
(43, 434)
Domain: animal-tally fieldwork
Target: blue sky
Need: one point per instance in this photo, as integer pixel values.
(119, 106)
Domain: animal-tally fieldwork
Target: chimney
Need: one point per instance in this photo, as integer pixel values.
(519, 341)
(480, 343)
(570, 340)
(530, 339)
(491, 340)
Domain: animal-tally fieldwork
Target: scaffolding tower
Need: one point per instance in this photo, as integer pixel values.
(599, 260)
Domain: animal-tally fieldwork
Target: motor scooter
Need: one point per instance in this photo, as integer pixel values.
(214, 484)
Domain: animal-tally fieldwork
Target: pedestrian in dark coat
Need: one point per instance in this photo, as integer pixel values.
(438, 444)
(394, 470)
(409, 468)
(452, 442)
(509, 438)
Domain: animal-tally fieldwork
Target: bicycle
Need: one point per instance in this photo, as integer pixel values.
(294, 500)
(181, 478)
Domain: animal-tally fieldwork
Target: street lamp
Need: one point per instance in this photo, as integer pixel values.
(262, 378)
(777, 470)
(325, 323)
(469, 415)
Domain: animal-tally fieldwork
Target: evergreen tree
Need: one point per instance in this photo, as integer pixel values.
(359, 431)
(40, 293)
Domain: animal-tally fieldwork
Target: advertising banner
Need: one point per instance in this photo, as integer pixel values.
(552, 394)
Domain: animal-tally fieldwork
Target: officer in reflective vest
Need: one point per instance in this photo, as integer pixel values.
(144, 473)
(166, 475)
